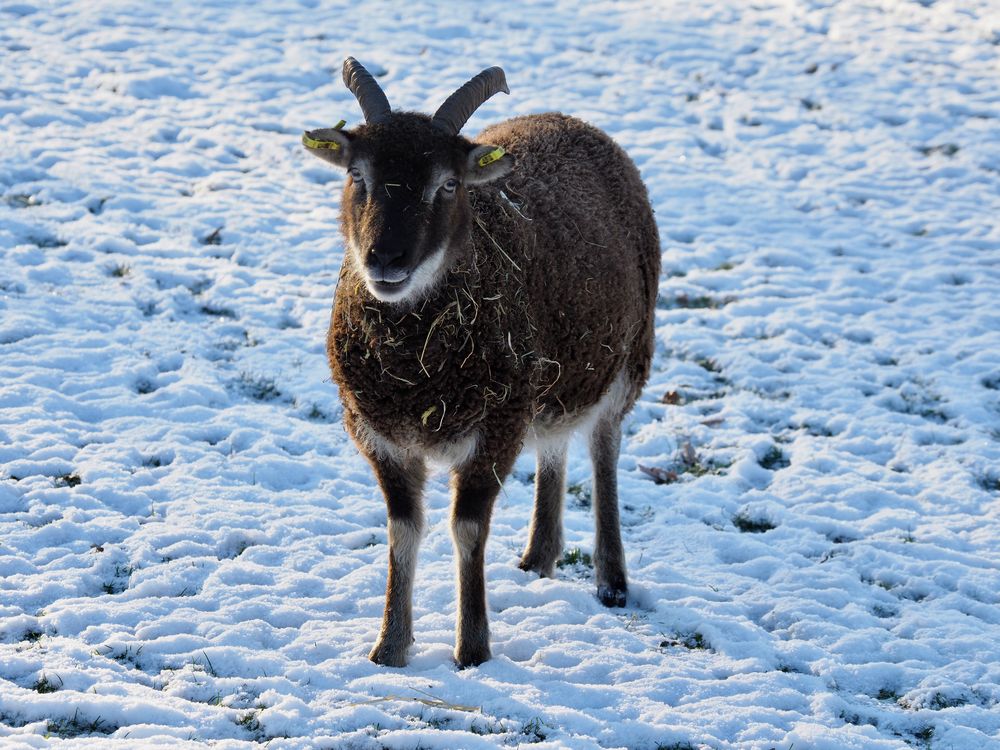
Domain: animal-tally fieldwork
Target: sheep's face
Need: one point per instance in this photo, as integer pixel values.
(405, 212)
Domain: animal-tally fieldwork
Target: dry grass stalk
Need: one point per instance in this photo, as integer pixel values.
(429, 701)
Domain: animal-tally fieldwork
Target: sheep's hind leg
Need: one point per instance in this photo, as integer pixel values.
(401, 482)
(609, 556)
(545, 539)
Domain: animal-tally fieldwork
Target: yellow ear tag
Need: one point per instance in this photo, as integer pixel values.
(492, 156)
(331, 145)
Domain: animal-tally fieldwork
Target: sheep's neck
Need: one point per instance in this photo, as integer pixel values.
(433, 372)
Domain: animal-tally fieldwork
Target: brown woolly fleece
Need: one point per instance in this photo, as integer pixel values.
(553, 296)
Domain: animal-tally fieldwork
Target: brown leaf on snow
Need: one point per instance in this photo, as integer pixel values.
(671, 398)
(660, 476)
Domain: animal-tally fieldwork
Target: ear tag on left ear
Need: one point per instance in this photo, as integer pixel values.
(330, 145)
(492, 156)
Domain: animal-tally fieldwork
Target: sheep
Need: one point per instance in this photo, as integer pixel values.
(494, 292)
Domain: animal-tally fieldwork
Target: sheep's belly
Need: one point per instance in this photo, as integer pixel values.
(448, 452)
(547, 432)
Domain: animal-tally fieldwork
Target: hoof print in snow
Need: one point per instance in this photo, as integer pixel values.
(752, 525)
(818, 430)
(698, 302)
(157, 460)
(708, 364)
(259, 387)
(146, 307)
(144, 386)
(883, 612)
(31, 635)
(22, 200)
(691, 641)
(315, 414)
(774, 459)
(916, 398)
(119, 583)
(68, 480)
(251, 723)
(945, 149)
(219, 312)
(989, 482)
(13, 287)
(47, 242)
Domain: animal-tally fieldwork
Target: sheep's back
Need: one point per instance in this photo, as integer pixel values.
(580, 214)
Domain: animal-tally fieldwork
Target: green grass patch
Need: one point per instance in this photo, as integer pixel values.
(78, 726)
(46, 685)
(576, 557)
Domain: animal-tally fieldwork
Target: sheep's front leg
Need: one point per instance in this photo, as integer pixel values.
(609, 556)
(475, 489)
(401, 481)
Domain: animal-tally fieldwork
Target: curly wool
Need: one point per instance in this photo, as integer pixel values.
(552, 298)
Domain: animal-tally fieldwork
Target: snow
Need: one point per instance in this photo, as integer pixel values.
(191, 551)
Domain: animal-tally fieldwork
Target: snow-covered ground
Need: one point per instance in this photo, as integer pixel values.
(191, 551)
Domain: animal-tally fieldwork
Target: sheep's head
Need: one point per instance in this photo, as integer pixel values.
(405, 211)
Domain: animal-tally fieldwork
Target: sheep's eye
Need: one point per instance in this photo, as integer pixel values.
(356, 176)
(451, 185)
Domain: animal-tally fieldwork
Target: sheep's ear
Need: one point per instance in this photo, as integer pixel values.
(329, 144)
(487, 163)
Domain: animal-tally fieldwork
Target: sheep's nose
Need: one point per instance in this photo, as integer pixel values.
(385, 263)
(386, 253)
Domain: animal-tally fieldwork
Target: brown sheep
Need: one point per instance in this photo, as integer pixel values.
(493, 291)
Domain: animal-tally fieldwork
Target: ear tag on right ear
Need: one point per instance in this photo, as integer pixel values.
(316, 144)
(492, 156)
(313, 143)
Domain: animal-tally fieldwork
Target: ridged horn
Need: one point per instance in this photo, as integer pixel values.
(458, 108)
(366, 90)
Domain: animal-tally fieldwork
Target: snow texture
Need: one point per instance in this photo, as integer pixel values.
(191, 550)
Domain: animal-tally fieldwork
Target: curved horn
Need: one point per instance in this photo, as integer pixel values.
(458, 108)
(367, 91)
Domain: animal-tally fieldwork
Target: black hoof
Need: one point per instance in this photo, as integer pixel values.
(472, 657)
(388, 655)
(527, 566)
(611, 596)
(534, 566)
